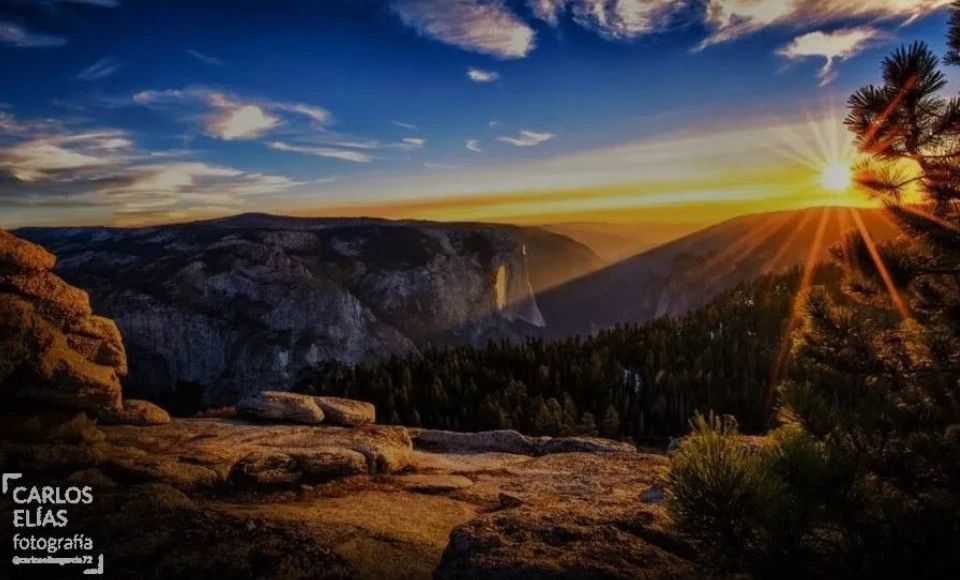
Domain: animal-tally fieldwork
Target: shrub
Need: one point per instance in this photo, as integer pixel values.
(718, 492)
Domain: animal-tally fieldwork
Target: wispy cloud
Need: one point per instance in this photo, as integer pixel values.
(234, 118)
(479, 75)
(527, 139)
(405, 125)
(330, 152)
(832, 46)
(415, 142)
(66, 167)
(100, 69)
(474, 145)
(314, 113)
(204, 58)
(483, 26)
(733, 18)
(613, 19)
(20, 37)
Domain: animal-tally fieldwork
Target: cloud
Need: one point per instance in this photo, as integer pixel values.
(22, 38)
(100, 69)
(832, 46)
(317, 114)
(45, 159)
(330, 152)
(483, 26)
(547, 10)
(235, 118)
(414, 142)
(527, 139)
(239, 121)
(612, 19)
(204, 58)
(482, 76)
(474, 145)
(733, 18)
(405, 125)
(103, 168)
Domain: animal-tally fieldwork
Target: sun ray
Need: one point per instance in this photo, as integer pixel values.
(785, 247)
(806, 279)
(895, 297)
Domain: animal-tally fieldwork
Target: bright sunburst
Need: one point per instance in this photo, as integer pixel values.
(836, 177)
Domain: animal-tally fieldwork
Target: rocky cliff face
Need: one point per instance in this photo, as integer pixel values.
(214, 311)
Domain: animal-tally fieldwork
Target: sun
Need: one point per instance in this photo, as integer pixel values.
(836, 177)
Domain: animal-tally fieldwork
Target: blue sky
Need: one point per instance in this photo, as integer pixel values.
(123, 111)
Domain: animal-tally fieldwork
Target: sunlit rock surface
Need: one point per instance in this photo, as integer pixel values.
(258, 499)
(52, 348)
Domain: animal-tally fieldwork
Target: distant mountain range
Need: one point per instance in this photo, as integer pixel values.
(214, 310)
(613, 242)
(684, 274)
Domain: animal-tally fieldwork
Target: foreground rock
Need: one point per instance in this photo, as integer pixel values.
(508, 441)
(196, 497)
(134, 412)
(280, 406)
(346, 412)
(527, 543)
(502, 441)
(54, 350)
(155, 531)
(568, 515)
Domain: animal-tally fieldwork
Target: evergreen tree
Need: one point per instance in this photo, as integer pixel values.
(862, 478)
(610, 425)
(587, 426)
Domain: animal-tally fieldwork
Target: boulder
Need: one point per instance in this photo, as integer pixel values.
(502, 441)
(329, 462)
(347, 412)
(283, 407)
(53, 349)
(19, 256)
(533, 543)
(134, 412)
(53, 298)
(548, 446)
(266, 469)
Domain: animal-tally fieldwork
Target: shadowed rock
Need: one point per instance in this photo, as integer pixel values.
(134, 412)
(508, 441)
(582, 445)
(502, 441)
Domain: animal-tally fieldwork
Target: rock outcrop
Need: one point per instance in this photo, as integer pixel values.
(361, 502)
(280, 406)
(134, 412)
(53, 350)
(212, 312)
(346, 412)
(509, 441)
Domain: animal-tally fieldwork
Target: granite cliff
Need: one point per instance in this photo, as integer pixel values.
(214, 311)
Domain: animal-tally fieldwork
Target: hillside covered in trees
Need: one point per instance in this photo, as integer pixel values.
(635, 382)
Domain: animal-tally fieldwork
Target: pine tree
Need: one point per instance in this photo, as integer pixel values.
(587, 426)
(610, 425)
(862, 478)
(888, 418)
